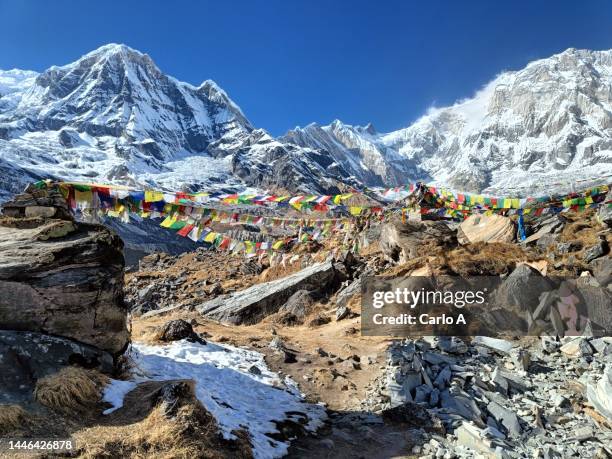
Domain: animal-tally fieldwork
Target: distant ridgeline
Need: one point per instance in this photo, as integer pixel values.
(191, 214)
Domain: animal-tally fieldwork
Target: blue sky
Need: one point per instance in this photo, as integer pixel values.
(291, 62)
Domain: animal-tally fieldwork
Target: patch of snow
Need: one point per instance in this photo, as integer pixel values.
(236, 397)
(115, 392)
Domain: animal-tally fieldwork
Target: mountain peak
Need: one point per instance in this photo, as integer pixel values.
(113, 49)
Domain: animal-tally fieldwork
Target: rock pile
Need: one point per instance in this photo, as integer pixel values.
(500, 399)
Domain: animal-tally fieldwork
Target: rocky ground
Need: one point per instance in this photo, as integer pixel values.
(267, 337)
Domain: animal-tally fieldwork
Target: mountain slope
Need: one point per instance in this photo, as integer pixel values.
(552, 119)
(114, 116)
(358, 151)
(525, 131)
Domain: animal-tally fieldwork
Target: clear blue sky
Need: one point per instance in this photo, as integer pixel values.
(291, 62)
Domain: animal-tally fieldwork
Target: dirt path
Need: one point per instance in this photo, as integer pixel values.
(325, 371)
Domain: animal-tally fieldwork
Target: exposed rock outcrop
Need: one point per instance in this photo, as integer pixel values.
(60, 277)
(401, 242)
(26, 357)
(253, 304)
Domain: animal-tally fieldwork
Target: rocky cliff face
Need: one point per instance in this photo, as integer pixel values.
(60, 277)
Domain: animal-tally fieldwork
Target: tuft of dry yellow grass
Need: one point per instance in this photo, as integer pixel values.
(71, 390)
(191, 433)
(12, 418)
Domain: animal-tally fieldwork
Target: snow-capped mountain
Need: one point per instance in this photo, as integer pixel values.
(527, 130)
(114, 116)
(549, 122)
(358, 151)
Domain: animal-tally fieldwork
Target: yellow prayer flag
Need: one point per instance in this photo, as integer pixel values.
(153, 196)
(210, 237)
(169, 220)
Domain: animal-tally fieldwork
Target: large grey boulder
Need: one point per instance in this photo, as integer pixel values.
(253, 304)
(545, 230)
(486, 228)
(26, 357)
(521, 290)
(62, 278)
(401, 242)
(597, 301)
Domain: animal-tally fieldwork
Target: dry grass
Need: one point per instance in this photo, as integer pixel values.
(480, 259)
(12, 418)
(71, 390)
(584, 229)
(191, 433)
(486, 258)
(581, 227)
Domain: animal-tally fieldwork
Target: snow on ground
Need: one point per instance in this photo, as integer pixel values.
(236, 397)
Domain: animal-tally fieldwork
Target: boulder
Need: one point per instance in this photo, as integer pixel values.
(598, 250)
(486, 228)
(500, 345)
(401, 242)
(598, 303)
(27, 356)
(62, 278)
(477, 439)
(545, 230)
(298, 304)
(521, 290)
(348, 292)
(604, 214)
(175, 330)
(506, 418)
(602, 270)
(259, 301)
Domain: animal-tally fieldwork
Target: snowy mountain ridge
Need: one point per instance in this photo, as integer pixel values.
(113, 116)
